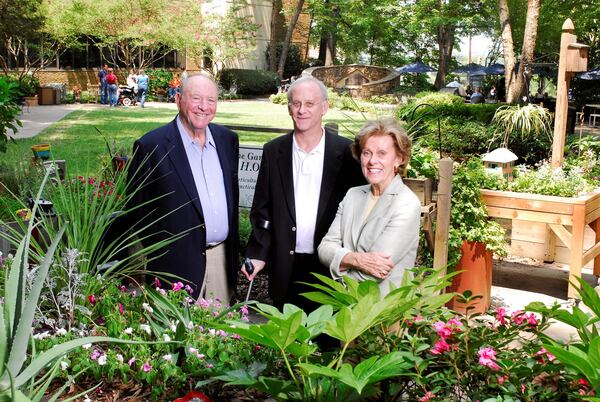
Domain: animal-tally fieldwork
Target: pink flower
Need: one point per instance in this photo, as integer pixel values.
(146, 367)
(518, 317)
(502, 379)
(95, 354)
(122, 288)
(177, 286)
(543, 352)
(121, 309)
(189, 289)
(209, 365)
(428, 395)
(256, 348)
(440, 347)
(244, 310)
(487, 357)
(455, 322)
(501, 314)
(92, 299)
(157, 283)
(204, 303)
(532, 320)
(131, 361)
(442, 329)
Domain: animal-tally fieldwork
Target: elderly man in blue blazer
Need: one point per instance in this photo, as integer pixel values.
(185, 180)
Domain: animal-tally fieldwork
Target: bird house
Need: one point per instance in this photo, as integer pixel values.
(500, 161)
(577, 57)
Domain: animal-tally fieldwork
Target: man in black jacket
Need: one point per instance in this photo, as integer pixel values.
(303, 177)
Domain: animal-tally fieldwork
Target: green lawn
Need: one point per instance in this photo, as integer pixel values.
(76, 140)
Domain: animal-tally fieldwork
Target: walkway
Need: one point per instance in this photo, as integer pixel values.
(37, 118)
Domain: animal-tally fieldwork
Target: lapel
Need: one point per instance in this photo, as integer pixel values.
(381, 207)
(179, 161)
(224, 152)
(286, 173)
(332, 163)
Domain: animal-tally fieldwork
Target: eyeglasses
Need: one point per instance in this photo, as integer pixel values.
(308, 105)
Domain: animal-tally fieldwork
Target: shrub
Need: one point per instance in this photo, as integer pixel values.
(249, 82)
(279, 99)
(158, 79)
(9, 110)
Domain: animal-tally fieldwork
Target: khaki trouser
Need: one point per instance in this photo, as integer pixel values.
(215, 284)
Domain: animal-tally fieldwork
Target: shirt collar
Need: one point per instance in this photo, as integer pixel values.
(319, 149)
(187, 139)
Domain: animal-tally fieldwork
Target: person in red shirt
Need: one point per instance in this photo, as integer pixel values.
(113, 87)
(174, 87)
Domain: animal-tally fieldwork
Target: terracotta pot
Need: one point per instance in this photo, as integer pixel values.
(476, 264)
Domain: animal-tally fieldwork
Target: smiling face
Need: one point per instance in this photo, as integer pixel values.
(378, 160)
(307, 108)
(197, 103)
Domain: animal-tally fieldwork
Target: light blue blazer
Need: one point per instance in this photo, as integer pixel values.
(391, 227)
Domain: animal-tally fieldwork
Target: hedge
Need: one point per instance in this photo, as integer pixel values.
(248, 82)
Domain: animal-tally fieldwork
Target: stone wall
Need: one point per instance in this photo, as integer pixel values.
(380, 80)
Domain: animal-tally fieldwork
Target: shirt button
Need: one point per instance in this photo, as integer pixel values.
(203, 253)
(291, 252)
(293, 228)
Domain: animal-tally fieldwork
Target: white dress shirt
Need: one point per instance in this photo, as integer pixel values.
(308, 173)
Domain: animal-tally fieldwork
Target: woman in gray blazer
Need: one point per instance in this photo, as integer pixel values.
(375, 233)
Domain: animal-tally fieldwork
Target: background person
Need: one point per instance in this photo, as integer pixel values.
(191, 165)
(174, 86)
(103, 86)
(375, 233)
(303, 176)
(113, 88)
(132, 81)
(142, 81)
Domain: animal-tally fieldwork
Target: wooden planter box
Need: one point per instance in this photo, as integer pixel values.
(562, 229)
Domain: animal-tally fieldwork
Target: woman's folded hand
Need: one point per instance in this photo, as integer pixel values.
(376, 264)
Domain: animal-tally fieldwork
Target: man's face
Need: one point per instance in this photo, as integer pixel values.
(307, 107)
(198, 103)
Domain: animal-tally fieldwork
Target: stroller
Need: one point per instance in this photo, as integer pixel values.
(127, 96)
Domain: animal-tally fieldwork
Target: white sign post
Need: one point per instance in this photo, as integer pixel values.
(248, 167)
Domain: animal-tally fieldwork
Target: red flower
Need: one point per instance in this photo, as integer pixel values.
(92, 299)
(121, 309)
(193, 396)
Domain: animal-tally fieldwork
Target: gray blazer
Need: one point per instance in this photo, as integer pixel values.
(392, 227)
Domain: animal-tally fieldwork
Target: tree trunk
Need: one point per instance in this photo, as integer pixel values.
(507, 46)
(328, 39)
(445, 39)
(516, 85)
(275, 19)
(288, 37)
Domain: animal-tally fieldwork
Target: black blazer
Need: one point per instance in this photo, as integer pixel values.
(274, 202)
(160, 168)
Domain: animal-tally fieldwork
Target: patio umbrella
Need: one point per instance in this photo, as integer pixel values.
(542, 69)
(494, 69)
(453, 84)
(417, 67)
(471, 68)
(592, 75)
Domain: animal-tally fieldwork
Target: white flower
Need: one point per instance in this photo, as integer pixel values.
(145, 327)
(64, 365)
(128, 330)
(166, 337)
(86, 346)
(190, 325)
(87, 398)
(173, 327)
(41, 335)
(102, 360)
(212, 331)
(147, 307)
(61, 332)
(168, 358)
(193, 350)
(119, 358)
